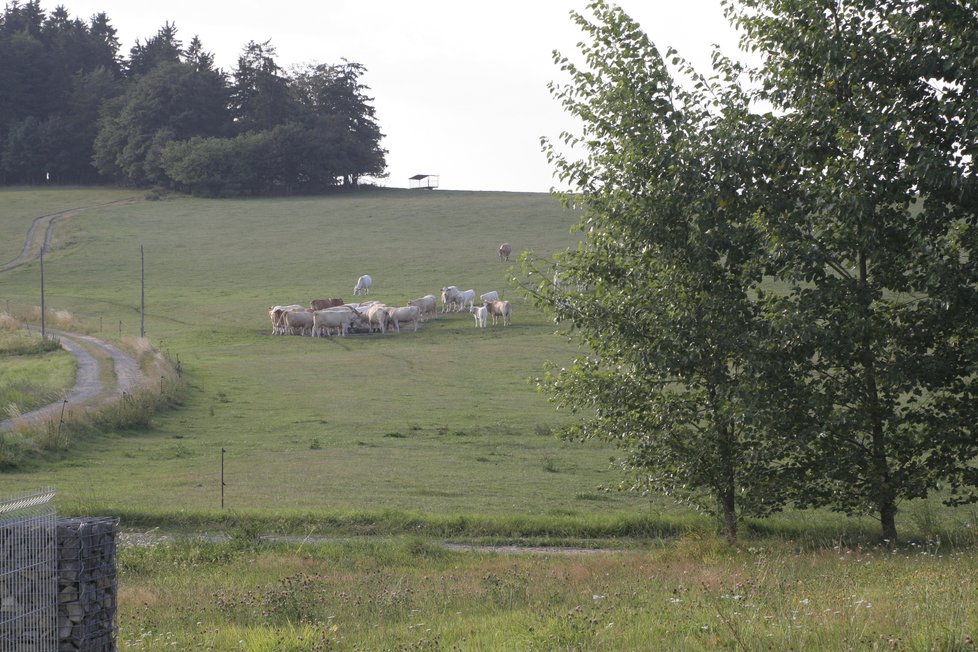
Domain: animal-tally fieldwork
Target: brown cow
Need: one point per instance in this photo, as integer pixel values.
(322, 304)
(504, 251)
(499, 309)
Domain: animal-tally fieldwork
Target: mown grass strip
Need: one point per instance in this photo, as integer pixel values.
(482, 529)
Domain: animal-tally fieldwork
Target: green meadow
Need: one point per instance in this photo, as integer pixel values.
(444, 421)
(415, 439)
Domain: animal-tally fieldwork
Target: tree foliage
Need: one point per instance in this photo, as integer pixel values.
(777, 306)
(660, 289)
(874, 228)
(72, 110)
(174, 101)
(49, 68)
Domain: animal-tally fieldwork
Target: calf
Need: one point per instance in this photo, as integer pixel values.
(480, 314)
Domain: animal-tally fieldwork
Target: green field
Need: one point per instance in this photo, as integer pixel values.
(415, 438)
(443, 421)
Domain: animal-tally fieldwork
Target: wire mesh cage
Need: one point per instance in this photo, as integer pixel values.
(28, 573)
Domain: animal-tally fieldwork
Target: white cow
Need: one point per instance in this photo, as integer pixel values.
(363, 285)
(377, 314)
(489, 296)
(499, 309)
(298, 320)
(405, 315)
(323, 321)
(450, 298)
(428, 305)
(467, 297)
(481, 314)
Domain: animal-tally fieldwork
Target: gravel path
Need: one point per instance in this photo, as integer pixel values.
(88, 384)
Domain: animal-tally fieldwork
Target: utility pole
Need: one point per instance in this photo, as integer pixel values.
(43, 331)
(142, 293)
(222, 477)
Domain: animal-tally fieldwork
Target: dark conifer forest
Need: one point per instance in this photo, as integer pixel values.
(75, 109)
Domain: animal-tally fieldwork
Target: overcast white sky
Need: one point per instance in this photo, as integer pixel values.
(460, 88)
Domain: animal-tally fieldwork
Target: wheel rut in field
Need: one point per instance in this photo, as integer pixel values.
(45, 224)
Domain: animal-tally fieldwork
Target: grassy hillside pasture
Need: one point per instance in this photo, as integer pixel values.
(445, 420)
(20, 206)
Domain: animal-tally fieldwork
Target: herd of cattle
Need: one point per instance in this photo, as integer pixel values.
(324, 317)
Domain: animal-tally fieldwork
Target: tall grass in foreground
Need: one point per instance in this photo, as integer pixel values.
(695, 593)
(33, 371)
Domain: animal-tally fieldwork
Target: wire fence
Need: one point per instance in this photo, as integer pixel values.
(28, 573)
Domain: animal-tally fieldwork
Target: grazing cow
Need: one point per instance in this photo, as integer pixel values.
(481, 314)
(489, 296)
(467, 297)
(504, 251)
(276, 313)
(500, 309)
(377, 314)
(298, 320)
(322, 304)
(451, 298)
(363, 285)
(323, 321)
(428, 305)
(405, 315)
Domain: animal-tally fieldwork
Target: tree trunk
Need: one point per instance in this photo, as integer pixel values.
(880, 480)
(728, 490)
(728, 513)
(888, 520)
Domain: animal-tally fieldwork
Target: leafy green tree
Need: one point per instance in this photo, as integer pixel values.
(678, 369)
(74, 129)
(260, 97)
(873, 225)
(49, 65)
(23, 74)
(334, 105)
(25, 152)
(174, 101)
(68, 111)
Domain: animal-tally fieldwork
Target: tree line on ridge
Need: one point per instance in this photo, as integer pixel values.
(75, 111)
